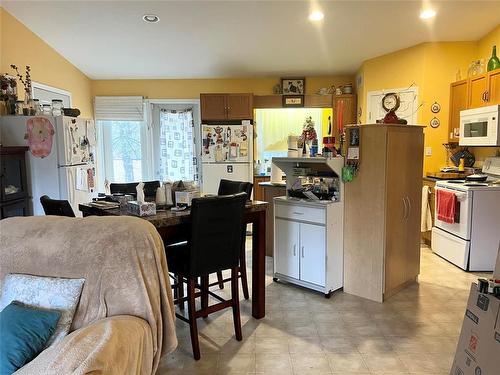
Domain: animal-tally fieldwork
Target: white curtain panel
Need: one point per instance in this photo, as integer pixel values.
(176, 145)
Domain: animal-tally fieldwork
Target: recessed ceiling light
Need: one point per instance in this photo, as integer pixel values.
(427, 13)
(316, 16)
(152, 18)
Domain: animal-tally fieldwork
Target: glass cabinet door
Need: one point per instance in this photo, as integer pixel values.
(13, 177)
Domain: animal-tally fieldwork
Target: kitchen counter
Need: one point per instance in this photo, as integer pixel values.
(430, 179)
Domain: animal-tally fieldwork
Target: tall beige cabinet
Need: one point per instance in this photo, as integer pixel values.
(382, 211)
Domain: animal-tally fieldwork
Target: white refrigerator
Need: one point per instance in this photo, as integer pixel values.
(226, 153)
(60, 162)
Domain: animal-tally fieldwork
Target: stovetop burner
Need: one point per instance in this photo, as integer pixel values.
(475, 184)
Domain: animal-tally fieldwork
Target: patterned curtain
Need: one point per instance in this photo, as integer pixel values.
(176, 145)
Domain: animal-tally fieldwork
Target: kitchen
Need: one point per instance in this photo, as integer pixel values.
(345, 240)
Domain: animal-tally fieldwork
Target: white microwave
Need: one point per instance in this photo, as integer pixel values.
(480, 126)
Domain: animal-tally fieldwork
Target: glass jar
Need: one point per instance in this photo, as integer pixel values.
(19, 107)
(47, 110)
(37, 107)
(57, 106)
(26, 108)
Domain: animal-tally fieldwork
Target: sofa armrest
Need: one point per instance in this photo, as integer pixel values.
(120, 344)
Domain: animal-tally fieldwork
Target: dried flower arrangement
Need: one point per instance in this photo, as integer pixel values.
(8, 88)
(26, 81)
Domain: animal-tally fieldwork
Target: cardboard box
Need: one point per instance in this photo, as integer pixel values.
(478, 349)
(141, 209)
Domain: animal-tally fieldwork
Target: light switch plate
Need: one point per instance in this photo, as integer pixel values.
(428, 151)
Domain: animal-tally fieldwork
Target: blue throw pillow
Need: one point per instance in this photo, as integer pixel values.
(24, 333)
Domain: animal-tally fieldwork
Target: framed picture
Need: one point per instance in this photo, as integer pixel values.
(293, 86)
(290, 101)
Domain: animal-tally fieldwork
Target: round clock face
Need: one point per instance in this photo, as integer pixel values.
(390, 102)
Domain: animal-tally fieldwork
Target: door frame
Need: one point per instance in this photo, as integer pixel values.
(53, 89)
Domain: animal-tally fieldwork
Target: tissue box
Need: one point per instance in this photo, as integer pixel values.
(184, 198)
(141, 209)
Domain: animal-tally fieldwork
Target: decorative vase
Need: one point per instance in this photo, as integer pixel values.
(493, 63)
(29, 105)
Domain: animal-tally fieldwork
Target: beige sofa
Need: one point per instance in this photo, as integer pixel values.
(124, 321)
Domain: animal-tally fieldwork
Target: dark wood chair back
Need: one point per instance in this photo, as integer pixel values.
(56, 207)
(228, 187)
(130, 188)
(216, 233)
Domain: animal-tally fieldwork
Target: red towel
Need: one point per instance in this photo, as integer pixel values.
(446, 205)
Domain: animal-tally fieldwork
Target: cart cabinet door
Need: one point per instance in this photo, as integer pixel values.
(287, 247)
(312, 254)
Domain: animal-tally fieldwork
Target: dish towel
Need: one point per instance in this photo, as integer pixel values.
(426, 218)
(446, 202)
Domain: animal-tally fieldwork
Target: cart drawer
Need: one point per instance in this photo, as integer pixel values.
(311, 214)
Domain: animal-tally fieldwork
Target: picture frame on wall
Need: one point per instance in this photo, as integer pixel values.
(293, 101)
(293, 86)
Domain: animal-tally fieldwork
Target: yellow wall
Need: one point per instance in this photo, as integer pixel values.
(432, 67)
(191, 88)
(22, 47)
(485, 44)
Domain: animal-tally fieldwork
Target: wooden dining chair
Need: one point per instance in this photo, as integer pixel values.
(56, 207)
(227, 187)
(214, 244)
(130, 188)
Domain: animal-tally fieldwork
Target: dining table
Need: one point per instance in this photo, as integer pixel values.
(174, 226)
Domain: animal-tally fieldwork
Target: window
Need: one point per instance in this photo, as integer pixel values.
(135, 144)
(122, 150)
(273, 126)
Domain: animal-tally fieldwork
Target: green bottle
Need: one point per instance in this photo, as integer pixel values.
(493, 63)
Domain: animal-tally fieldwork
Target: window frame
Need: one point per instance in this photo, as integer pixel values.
(195, 104)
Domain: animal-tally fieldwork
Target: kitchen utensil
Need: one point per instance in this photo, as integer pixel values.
(476, 177)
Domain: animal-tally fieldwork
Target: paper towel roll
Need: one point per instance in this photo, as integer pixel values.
(276, 174)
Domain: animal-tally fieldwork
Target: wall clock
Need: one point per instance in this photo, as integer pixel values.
(391, 102)
(434, 123)
(435, 107)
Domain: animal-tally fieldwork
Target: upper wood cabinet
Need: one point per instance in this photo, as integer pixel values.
(478, 88)
(494, 87)
(458, 102)
(226, 106)
(477, 91)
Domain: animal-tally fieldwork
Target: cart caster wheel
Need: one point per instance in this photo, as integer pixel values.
(328, 295)
(275, 279)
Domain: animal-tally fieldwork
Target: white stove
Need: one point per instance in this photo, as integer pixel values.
(462, 185)
(471, 242)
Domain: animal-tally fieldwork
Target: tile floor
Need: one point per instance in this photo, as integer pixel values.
(414, 332)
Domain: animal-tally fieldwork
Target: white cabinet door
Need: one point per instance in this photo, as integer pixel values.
(287, 248)
(312, 254)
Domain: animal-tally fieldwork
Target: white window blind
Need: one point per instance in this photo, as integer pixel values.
(124, 108)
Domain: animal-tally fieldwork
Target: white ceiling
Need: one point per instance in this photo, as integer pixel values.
(204, 39)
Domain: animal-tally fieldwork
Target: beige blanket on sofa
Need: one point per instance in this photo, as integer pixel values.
(121, 258)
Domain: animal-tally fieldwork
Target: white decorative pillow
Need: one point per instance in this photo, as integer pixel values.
(47, 293)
